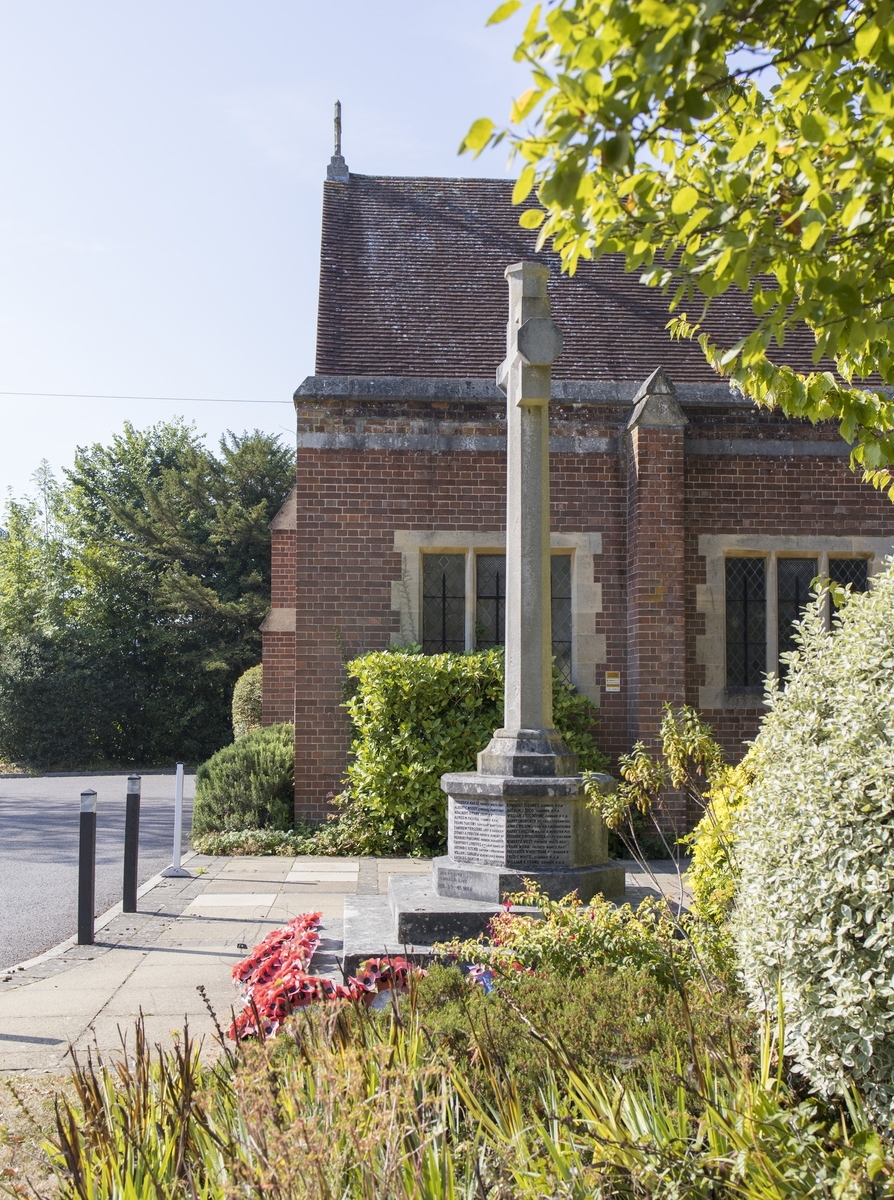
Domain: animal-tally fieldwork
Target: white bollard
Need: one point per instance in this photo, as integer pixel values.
(175, 870)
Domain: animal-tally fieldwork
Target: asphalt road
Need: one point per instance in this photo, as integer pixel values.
(39, 821)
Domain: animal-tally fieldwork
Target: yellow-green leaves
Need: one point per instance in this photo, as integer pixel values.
(866, 37)
(525, 104)
(504, 11)
(645, 132)
(478, 136)
(814, 128)
(684, 201)
(523, 186)
(532, 219)
(744, 146)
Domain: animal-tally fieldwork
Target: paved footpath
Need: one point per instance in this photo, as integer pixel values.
(39, 822)
(186, 935)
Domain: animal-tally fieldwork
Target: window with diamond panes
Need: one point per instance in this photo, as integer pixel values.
(793, 579)
(853, 571)
(746, 622)
(490, 607)
(443, 603)
(560, 567)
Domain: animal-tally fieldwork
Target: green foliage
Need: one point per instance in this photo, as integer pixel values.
(248, 785)
(690, 761)
(730, 1128)
(626, 1023)
(720, 145)
(713, 872)
(365, 1106)
(287, 843)
(149, 569)
(248, 701)
(415, 718)
(569, 937)
(815, 909)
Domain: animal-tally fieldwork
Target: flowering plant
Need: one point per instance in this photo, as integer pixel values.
(570, 937)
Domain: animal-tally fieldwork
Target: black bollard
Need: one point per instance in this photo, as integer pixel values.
(131, 843)
(87, 869)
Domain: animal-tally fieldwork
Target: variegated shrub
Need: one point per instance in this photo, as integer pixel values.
(815, 914)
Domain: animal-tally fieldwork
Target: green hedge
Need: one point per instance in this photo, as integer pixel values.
(248, 701)
(416, 717)
(248, 785)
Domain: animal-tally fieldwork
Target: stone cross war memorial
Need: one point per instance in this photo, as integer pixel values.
(523, 814)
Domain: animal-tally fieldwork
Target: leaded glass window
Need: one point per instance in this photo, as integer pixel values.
(443, 603)
(490, 610)
(853, 571)
(794, 577)
(560, 567)
(746, 621)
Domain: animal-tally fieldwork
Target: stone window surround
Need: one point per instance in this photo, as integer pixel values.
(710, 649)
(587, 646)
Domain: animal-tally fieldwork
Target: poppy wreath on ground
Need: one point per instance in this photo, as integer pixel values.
(275, 980)
(291, 947)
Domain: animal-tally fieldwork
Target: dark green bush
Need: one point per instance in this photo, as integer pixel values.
(417, 717)
(624, 1023)
(248, 701)
(249, 785)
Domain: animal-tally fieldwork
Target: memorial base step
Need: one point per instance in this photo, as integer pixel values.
(489, 884)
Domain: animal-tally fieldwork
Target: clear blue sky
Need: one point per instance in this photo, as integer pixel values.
(161, 189)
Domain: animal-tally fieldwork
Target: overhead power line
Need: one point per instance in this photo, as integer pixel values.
(172, 399)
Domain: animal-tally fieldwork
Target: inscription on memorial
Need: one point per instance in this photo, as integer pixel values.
(538, 835)
(476, 831)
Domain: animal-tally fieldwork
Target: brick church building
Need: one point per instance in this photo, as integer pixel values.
(686, 523)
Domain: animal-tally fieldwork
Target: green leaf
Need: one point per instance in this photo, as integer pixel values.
(684, 201)
(478, 136)
(744, 146)
(695, 220)
(811, 234)
(616, 151)
(504, 11)
(532, 219)
(813, 128)
(523, 186)
(866, 37)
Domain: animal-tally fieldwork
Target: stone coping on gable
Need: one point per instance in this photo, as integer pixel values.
(332, 388)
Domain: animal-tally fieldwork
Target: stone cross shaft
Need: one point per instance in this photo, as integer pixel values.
(523, 814)
(533, 342)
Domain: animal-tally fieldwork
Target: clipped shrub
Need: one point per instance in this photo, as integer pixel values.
(248, 701)
(416, 717)
(815, 905)
(248, 785)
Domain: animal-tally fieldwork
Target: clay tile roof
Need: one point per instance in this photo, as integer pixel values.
(411, 284)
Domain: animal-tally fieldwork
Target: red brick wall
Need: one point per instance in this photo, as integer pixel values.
(278, 656)
(650, 506)
(656, 671)
(801, 496)
(345, 545)
(278, 630)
